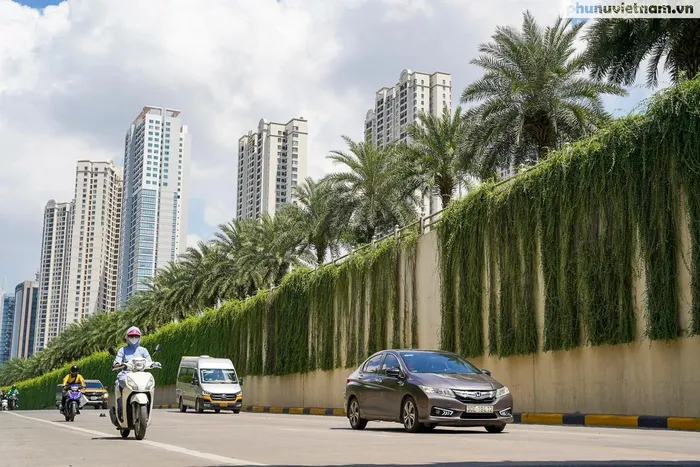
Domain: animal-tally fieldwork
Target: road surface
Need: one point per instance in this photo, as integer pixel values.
(42, 439)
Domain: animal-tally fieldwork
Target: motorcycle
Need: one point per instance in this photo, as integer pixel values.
(4, 404)
(74, 402)
(136, 398)
(12, 403)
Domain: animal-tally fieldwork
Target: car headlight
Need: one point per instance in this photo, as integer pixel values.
(502, 392)
(150, 384)
(132, 384)
(437, 391)
(205, 393)
(105, 395)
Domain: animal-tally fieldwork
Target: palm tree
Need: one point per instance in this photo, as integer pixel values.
(374, 188)
(323, 214)
(534, 95)
(271, 246)
(433, 154)
(617, 48)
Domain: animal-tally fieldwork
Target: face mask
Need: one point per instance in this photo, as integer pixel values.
(133, 340)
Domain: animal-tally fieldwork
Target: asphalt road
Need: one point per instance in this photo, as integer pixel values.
(42, 439)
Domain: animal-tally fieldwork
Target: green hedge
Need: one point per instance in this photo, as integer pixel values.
(596, 211)
(314, 320)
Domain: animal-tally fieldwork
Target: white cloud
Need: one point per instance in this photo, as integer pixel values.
(73, 77)
(193, 240)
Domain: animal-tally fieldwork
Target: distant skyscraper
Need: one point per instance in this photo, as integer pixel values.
(6, 324)
(154, 202)
(53, 272)
(399, 106)
(271, 162)
(25, 319)
(94, 251)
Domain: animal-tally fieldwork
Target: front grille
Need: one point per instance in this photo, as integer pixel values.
(475, 396)
(223, 397)
(478, 416)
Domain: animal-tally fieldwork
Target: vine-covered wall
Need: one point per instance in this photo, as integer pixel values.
(582, 227)
(587, 218)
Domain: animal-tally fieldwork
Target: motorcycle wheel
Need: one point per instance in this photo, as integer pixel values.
(72, 409)
(141, 422)
(124, 433)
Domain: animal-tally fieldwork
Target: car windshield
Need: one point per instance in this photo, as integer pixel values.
(218, 375)
(93, 385)
(435, 362)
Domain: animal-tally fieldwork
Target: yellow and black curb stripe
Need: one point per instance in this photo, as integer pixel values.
(617, 421)
(529, 418)
(294, 410)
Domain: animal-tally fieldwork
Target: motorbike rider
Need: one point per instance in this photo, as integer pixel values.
(14, 393)
(125, 354)
(74, 377)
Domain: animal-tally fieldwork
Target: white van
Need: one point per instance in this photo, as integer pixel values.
(208, 383)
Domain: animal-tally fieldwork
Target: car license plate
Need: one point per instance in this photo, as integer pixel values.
(224, 405)
(94, 398)
(479, 409)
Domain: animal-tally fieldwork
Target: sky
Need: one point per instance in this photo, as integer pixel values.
(74, 75)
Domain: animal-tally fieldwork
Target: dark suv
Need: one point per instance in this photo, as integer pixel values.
(423, 389)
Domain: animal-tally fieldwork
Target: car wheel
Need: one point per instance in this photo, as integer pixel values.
(217, 410)
(236, 411)
(409, 415)
(495, 428)
(181, 405)
(198, 406)
(356, 422)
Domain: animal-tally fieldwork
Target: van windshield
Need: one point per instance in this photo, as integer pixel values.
(219, 375)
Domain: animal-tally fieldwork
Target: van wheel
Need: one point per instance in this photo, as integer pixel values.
(181, 406)
(236, 411)
(198, 406)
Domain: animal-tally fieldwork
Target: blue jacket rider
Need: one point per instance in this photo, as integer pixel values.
(125, 354)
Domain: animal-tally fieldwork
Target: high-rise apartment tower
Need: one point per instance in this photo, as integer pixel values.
(271, 161)
(154, 203)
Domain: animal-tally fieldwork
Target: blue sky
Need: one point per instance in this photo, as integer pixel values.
(38, 3)
(73, 77)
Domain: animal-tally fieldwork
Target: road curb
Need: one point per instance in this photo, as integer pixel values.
(529, 418)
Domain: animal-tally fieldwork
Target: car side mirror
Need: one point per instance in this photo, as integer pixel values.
(486, 372)
(240, 381)
(112, 352)
(393, 372)
(195, 382)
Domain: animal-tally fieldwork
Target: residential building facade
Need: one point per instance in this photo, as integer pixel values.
(25, 319)
(94, 249)
(154, 201)
(397, 107)
(271, 161)
(53, 272)
(6, 323)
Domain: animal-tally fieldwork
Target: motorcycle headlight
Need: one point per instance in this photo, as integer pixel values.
(437, 391)
(132, 384)
(502, 392)
(150, 384)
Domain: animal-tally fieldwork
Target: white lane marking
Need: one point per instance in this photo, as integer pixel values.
(155, 444)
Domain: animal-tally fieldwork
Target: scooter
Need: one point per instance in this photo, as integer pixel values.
(4, 404)
(74, 402)
(136, 398)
